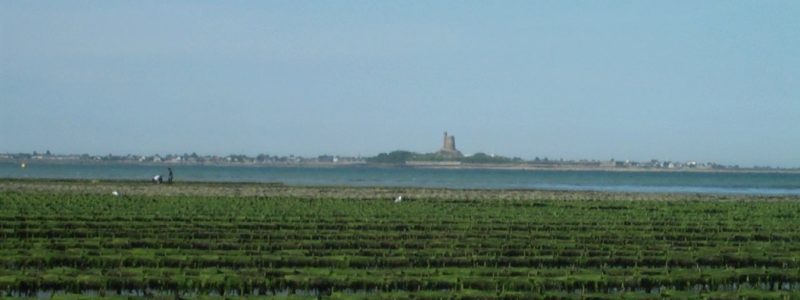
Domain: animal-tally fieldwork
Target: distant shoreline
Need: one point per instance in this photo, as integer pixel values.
(606, 169)
(417, 165)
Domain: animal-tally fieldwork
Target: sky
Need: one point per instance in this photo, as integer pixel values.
(709, 81)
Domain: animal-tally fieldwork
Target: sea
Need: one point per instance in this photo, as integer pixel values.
(755, 183)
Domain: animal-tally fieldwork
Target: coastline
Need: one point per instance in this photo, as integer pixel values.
(421, 165)
(530, 167)
(463, 177)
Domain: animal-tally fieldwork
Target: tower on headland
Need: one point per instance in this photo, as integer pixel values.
(449, 146)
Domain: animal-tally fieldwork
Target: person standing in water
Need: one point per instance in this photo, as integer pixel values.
(169, 177)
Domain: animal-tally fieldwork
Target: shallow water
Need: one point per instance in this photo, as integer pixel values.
(662, 182)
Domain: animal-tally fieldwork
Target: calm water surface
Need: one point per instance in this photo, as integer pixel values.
(679, 182)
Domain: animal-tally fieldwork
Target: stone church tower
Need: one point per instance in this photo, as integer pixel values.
(449, 146)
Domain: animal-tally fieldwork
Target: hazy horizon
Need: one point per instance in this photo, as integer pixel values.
(712, 81)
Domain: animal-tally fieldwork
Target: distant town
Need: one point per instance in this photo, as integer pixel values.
(447, 157)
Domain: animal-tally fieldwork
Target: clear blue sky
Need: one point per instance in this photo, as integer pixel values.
(672, 80)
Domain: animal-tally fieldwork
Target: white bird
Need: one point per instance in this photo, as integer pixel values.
(398, 199)
(115, 193)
